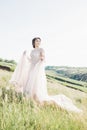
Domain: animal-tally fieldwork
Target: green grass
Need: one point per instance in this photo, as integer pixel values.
(24, 116)
(76, 73)
(17, 113)
(10, 66)
(79, 85)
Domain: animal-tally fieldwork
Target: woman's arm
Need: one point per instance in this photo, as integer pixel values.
(42, 54)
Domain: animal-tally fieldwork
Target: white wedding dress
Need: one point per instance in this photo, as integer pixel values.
(29, 78)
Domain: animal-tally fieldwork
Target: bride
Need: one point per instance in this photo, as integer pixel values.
(29, 78)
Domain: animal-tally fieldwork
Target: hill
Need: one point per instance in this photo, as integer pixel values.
(77, 73)
(7, 64)
(18, 113)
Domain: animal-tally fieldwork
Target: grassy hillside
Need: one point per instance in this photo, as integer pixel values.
(8, 65)
(79, 85)
(17, 113)
(77, 73)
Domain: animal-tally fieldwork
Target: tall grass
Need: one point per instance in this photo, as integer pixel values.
(19, 113)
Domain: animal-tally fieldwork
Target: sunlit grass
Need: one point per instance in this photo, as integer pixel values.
(71, 83)
(18, 113)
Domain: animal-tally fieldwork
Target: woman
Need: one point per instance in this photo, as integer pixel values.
(30, 79)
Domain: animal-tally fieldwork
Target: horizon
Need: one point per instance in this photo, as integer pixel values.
(52, 65)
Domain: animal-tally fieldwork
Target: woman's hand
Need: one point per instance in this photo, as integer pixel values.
(42, 55)
(42, 58)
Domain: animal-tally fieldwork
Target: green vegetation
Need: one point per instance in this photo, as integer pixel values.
(19, 113)
(7, 64)
(76, 73)
(79, 85)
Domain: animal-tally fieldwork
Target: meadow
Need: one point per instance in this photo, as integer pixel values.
(19, 113)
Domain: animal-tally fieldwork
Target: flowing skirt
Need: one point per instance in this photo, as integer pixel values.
(30, 79)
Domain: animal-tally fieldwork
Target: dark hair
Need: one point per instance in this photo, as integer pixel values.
(33, 41)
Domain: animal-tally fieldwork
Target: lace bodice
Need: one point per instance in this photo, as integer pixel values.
(35, 55)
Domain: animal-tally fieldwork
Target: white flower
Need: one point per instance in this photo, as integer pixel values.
(7, 88)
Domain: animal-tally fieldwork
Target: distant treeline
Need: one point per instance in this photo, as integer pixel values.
(8, 61)
(77, 73)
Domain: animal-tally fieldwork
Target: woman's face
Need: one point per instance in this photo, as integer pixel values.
(37, 42)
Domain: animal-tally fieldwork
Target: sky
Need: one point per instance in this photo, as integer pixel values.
(61, 24)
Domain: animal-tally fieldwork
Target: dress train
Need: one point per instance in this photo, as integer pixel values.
(30, 79)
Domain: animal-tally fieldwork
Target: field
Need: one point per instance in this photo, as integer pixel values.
(17, 113)
(71, 83)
